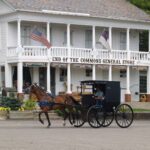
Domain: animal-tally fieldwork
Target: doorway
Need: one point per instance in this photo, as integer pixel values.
(53, 84)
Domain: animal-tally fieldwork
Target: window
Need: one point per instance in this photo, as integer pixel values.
(25, 35)
(88, 39)
(122, 73)
(88, 72)
(26, 32)
(122, 41)
(143, 82)
(63, 74)
(143, 41)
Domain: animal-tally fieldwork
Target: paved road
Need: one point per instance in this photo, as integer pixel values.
(31, 135)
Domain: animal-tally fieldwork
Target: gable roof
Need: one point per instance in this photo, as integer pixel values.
(113, 9)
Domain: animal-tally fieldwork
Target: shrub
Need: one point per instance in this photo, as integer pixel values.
(4, 109)
(12, 103)
(29, 105)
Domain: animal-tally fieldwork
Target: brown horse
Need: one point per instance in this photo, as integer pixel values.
(47, 102)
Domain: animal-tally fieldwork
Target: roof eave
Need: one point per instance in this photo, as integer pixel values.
(81, 15)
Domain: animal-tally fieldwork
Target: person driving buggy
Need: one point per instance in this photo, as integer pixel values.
(99, 95)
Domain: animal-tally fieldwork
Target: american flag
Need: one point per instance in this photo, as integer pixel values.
(38, 36)
(104, 40)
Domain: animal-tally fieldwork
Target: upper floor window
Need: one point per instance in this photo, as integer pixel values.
(123, 41)
(88, 38)
(26, 32)
(143, 41)
(25, 35)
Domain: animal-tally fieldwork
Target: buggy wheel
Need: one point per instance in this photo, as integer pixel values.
(108, 117)
(95, 116)
(124, 115)
(76, 119)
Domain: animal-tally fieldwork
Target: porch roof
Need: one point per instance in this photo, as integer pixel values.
(112, 9)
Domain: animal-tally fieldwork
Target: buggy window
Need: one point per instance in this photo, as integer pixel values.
(86, 89)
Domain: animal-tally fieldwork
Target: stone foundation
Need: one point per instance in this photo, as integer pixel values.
(127, 97)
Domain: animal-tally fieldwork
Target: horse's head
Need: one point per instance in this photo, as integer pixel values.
(39, 92)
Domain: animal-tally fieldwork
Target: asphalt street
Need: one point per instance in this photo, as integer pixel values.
(31, 135)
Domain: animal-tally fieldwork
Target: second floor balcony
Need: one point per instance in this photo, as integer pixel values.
(78, 55)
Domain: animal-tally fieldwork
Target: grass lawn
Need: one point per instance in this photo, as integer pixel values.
(140, 110)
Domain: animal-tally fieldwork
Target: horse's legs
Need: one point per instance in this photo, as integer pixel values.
(66, 115)
(40, 117)
(47, 117)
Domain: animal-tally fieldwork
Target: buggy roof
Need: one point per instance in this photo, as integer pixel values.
(93, 82)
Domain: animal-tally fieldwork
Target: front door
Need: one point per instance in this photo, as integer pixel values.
(43, 77)
(53, 80)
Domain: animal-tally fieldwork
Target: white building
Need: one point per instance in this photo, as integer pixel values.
(73, 28)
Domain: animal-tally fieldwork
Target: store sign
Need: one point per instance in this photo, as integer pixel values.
(35, 64)
(93, 61)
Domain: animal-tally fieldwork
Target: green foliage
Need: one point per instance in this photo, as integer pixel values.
(141, 110)
(143, 4)
(59, 113)
(12, 103)
(29, 105)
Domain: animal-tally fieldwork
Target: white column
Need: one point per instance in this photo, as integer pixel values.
(48, 78)
(48, 31)
(94, 72)
(110, 73)
(93, 38)
(69, 78)
(110, 37)
(93, 46)
(128, 42)
(19, 33)
(20, 77)
(8, 75)
(128, 80)
(68, 65)
(68, 40)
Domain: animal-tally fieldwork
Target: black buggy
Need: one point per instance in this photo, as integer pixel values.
(102, 113)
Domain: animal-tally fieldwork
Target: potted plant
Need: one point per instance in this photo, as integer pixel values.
(4, 113)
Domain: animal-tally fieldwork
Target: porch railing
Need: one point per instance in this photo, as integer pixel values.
(34, 51)
(40, 51)
(12, 51)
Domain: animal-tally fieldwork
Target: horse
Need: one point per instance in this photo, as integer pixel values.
(48, 103)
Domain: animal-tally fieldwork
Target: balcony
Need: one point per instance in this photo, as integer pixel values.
(78, 55)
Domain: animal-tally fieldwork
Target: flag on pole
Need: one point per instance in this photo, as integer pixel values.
(38, 36)
(104, 40)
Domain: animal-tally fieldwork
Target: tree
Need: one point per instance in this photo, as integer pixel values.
(143, 4)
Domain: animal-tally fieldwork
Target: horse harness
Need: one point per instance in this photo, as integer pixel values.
(45, 103)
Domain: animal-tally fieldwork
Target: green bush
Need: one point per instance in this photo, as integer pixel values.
(29, 105)
(59, 112)
(12, 103)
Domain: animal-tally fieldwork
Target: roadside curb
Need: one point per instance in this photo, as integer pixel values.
(142, 116)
